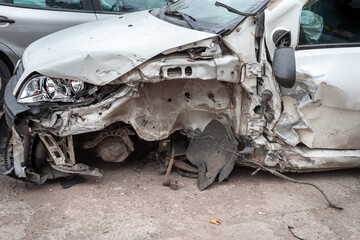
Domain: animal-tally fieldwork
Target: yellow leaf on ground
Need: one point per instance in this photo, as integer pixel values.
(215, 221)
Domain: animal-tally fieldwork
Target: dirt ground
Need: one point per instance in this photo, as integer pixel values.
(131, 203)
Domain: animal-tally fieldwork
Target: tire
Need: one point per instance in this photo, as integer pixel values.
(4, 71)
(6, 150)
(4, 76)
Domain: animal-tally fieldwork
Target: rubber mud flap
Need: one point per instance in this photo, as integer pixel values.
(213, 152)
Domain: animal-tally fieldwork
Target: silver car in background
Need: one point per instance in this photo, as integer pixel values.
(24, 21)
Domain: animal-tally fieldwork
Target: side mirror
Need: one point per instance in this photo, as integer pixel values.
(285, 67)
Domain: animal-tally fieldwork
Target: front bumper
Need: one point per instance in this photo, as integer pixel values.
(11, 107)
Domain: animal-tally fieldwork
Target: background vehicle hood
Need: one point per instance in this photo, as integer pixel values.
(99, 52)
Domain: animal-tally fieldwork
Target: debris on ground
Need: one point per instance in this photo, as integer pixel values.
(215, 221)
(291, 230)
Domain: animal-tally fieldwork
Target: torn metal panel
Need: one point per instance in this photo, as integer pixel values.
(336, 101)
(69, 53)
(344, 130)
(213, 152)
(185, 104)
(294, 99)
(322, 109)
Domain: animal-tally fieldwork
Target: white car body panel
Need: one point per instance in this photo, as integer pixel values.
(334, 66)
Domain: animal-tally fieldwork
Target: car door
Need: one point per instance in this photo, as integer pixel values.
(323, 107)
(24, 21)
(328, 53)
(108, 8)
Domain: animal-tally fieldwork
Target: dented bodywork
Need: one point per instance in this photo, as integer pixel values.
(138, 83)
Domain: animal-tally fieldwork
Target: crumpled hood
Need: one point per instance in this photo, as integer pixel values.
(101, 51)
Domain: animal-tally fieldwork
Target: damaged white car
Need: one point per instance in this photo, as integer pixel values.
(266, 84)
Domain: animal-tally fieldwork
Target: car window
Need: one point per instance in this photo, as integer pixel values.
(207, 11)
(131, 5)
(330, 22)
(65, 4)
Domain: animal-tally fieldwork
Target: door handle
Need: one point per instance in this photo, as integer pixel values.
(7, 21)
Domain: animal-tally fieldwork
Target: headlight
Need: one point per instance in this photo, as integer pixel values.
(41, 88)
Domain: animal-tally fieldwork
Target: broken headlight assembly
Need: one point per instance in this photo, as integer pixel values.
(45, 89)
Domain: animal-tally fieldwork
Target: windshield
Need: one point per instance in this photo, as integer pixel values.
(209, 17)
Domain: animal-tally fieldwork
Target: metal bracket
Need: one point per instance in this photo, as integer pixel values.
(80, 169)
(255, 69)
(62, 152)
(213, 50)
(255, 126)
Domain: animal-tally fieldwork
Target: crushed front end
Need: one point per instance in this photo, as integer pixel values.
(206, 100)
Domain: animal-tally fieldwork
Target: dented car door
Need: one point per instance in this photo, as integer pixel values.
(322, 108)
(328, 56)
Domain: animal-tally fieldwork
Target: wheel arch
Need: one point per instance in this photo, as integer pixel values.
(7, 61)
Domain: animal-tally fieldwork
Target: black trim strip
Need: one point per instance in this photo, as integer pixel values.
(88, 5)
(110, 13)
(324, 46)
(97, 5)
